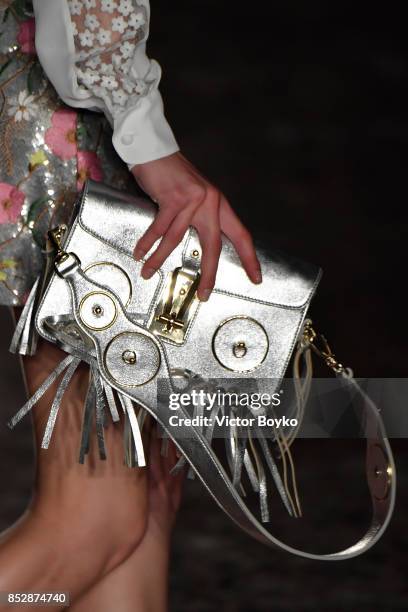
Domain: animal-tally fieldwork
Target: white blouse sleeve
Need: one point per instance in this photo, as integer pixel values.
(94, 53)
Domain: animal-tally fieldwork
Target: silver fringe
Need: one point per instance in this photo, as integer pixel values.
(57, 401)
(40, 391)
(129, 410)
(25, 337)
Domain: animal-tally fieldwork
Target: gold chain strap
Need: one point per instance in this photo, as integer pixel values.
(318, 343)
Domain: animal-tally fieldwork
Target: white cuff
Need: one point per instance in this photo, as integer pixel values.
(143, 134)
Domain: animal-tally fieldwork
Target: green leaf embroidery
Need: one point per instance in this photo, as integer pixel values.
(19, 7)
(36, 208)
(35, 78)
(3, 276)
(4, 66)
(8, 263)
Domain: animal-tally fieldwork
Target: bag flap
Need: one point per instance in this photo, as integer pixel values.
(120, 220)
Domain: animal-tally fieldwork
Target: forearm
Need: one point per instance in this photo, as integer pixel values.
(94, 53)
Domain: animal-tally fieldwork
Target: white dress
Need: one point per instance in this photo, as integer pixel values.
(94, 53)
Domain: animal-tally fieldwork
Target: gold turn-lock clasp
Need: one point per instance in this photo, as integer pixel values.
(176, 306)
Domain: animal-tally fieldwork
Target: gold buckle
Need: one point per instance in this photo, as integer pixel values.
(176, 306)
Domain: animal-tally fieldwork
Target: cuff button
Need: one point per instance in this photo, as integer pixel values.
(126, 139)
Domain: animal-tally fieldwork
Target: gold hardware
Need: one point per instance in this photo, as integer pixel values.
(176, 306)
(93, 314)
(97, 311)
(239, 349)
(311, 337)
(379, 472)
(119, 281)
(129, 357)
(195, 253)
(55, 237)
(228, 345)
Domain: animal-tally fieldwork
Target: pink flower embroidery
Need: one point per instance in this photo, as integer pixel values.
(61, 137)
(11, 203)
(89, 166)
(26, 36)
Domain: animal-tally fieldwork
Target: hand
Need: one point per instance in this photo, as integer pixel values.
(186, 198)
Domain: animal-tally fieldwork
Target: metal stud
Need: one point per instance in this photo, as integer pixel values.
(129, 357)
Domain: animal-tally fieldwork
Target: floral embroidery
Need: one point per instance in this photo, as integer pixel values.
(61, 137)
(104, 36)
(109, 82)
(6, 264)
(108, 6)
(117, 26)
(127, 49)
(11, 203)
(89, 166)
(47, 203)
(125, 7)
(89, 77)
(38, 158)
(119, 97)
(22, 107)
(93, 63)
(136, 21)
(86, 38)
(91, 22)
(106, 69)
(75, 7)
(26, 36)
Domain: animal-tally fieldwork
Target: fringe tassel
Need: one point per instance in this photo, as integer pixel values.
(262, 484)
(302, 379)
(25, 337)
(100, 415)
(110, 398)
(129, 410)
(274, 471)
(40, 391)
(176, 469)
(87, 421)
(239, 453)
(128, 444)
(57, 401)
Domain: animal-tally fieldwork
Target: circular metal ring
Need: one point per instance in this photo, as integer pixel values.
(97, 310)
(240, 344)
(132, 359)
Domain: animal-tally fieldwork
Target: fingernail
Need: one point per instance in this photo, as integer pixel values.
(148, 272)
(258, 277)
(204, 295)
(139, 254)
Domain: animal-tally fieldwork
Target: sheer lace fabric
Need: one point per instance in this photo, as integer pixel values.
(106, 35)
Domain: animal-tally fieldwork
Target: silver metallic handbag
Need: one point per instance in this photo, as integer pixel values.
(150, 340)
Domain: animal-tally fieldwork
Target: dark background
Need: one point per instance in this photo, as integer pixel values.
(297, 111)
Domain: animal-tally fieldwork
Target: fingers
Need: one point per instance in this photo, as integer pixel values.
(240, 237)
(156, 230)
(170, 240)
(210, 239)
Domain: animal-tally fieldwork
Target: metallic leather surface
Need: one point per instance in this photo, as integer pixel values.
(240, 344)
(106, 229)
